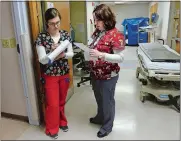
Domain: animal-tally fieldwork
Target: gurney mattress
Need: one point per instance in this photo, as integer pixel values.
(161, 65)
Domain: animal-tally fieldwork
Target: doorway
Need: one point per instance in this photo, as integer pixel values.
(36, 15)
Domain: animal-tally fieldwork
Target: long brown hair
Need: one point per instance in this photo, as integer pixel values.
(104, 13)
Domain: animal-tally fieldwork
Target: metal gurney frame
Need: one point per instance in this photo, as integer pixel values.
(150, 85)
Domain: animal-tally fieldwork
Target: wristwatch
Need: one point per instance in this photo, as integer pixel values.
(101, 56)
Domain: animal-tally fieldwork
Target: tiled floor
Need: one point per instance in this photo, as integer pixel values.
(12, 129)
(134, 120)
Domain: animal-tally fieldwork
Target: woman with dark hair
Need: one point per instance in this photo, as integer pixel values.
(54, 47)
(106, 45)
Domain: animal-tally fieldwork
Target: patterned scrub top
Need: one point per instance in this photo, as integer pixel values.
(58, 67)
(109, 41)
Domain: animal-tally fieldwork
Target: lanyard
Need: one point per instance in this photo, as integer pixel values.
(96, 39)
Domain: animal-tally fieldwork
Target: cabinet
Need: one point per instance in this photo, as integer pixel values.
(143, 37)
(133, 35)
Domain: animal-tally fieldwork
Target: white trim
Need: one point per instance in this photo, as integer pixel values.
(20, 20)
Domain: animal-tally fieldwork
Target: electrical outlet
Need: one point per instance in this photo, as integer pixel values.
(5, 43)
(12, 42)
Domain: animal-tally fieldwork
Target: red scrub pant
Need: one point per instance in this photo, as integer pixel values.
(56, 88)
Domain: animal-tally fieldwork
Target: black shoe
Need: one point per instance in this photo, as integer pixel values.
(93, 120)
(64, 128)
(101, 135)
(54, 136)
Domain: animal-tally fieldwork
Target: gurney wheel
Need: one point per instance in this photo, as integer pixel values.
(142, 97)
(144, 82)
(177, 103)
(137, 72)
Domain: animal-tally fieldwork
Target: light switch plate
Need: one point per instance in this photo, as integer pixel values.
(12, 42)
(5, 43)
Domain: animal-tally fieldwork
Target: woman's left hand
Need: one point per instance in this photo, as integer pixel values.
(61, 55)
(95, 53)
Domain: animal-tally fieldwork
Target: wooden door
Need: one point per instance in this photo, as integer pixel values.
(64, 9)
(153, 9)
(36, 27)
(35, 16)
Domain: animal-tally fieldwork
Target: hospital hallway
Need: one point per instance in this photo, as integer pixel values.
(134, 120)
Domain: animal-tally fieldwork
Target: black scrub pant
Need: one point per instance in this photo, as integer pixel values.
(104, 94)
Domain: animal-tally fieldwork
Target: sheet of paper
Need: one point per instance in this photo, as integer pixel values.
(86, 56)
(82, 47)
(86, 51)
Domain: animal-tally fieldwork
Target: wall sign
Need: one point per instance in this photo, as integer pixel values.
(50, 5)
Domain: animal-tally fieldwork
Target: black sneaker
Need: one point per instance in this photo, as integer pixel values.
(64, 128)
(101, 135)
(55, 136)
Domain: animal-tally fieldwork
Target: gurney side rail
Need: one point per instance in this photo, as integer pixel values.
(165, 75)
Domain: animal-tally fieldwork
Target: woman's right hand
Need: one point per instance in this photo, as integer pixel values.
(54, 46)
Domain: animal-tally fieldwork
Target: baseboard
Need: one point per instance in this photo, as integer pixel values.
(132, 45)
(13, 116)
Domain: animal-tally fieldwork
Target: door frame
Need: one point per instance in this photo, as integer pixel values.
(37, 25)
(35, 16)
(20, 23)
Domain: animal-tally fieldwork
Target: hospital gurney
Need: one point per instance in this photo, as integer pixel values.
(159, 66)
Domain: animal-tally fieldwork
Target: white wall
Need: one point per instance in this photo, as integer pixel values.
(90, 27)
(89, 16)
(13, 99)
(124, 11)
(163, 12)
